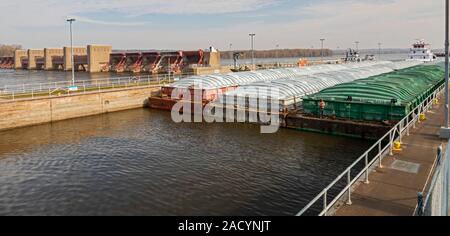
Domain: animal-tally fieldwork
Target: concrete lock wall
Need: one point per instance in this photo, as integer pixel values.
(77, 51)
(32, 55)
(98, 57)
(210, 70)
(18, 54)
(23, 113)
(49, 53)
(214, 59)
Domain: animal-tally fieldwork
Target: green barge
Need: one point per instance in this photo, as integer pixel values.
(387, 97)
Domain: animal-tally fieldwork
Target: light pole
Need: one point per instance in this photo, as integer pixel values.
(71, 50)
(445, 132)
(231, 51)
(277, 55)
(253, 50)
(321, 51)
(379, 51)
(446, 64)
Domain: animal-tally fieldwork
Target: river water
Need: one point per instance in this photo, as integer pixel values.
(139, 162)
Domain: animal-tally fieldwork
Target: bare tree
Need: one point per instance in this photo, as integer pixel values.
(8, 50)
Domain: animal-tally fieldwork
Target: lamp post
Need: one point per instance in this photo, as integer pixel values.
(277, 55)
(71, 50)
(253, 50)
(231, 51)
(321, 51)
(445, 131)
(446, 63)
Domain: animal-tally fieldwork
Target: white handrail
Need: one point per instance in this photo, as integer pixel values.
(396, 133)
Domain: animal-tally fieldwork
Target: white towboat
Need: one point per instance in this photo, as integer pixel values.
(421, 51)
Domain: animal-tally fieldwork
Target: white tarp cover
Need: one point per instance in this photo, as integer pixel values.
(244, 78)
(290, 90)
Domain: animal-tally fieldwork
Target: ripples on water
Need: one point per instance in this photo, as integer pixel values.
(139, 162)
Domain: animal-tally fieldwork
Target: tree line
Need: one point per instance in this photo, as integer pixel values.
(280, 53)
(8, 50)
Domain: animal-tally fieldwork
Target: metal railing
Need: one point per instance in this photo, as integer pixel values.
(435, 202)
(380, 149)
(61, 88)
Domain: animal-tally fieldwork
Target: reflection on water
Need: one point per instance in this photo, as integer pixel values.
(139, 162)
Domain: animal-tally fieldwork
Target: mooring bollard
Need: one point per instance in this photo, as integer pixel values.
(422, 117)
(397, 146)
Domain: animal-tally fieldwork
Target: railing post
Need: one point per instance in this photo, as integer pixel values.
(420, 206)
(349, 180)
(418, 115)
(391, 144)
(380, 165)
(325, 204)
(407, 125)
(367, 169)
(439, 154)
(414, 120)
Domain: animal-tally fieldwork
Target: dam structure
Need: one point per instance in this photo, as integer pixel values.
(90, 58)
(102, 58)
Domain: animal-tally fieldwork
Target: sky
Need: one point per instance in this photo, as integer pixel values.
(199, 24)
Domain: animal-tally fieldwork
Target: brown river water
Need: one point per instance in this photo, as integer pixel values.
(139, 162)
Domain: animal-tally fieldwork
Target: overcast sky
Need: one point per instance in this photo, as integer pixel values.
(194, 24)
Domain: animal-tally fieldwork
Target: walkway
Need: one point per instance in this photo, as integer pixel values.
(393, 189)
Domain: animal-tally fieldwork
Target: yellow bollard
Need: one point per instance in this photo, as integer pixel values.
(422, 117)
(397, 146)
(436, 101)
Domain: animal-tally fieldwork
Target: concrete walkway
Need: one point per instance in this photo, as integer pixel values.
(393, 189)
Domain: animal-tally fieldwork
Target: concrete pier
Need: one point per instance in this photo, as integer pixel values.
(33, 55)
(98, 57)
(49, 55)
(19, 55)
(77, 52)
